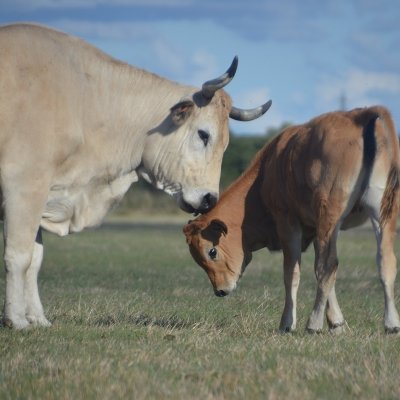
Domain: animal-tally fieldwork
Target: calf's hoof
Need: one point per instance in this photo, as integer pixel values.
(286, 329)
(313, 331)
(337, 329)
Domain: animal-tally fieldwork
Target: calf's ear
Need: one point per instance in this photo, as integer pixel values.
(181, 112)
(192, 228)
(219, 226)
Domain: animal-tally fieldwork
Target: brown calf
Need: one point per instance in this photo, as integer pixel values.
(312, 180)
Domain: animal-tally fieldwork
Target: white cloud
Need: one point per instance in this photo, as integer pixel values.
(69, 4)
(253, 98)
(107, 30)
(204, 67)
(361, 88)
(169, 56)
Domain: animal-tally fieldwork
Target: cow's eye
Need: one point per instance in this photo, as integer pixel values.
(213, 253)
(204, 136)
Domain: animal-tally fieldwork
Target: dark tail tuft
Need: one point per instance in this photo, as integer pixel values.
(390, 200)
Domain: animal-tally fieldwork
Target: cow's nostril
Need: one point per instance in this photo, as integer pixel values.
(220, 293)
(208, 202)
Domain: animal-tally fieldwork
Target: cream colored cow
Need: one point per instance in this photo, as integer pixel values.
(77, 128)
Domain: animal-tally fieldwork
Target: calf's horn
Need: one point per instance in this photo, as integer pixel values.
(248, 115)
(210, 87)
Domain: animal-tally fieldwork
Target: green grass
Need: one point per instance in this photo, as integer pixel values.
(135, 318)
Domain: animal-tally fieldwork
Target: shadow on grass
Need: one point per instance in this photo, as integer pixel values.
(175, 323)
(146, 320)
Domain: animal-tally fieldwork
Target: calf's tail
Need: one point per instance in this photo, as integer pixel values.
(387, 141)
(390, 143)
(390, 200)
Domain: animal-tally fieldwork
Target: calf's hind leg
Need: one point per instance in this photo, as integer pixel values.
(291, 270)
(334, 314)
(326, 264)
(386, 263)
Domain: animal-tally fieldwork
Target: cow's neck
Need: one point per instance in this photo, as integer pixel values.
(242, 207)
(126, 103)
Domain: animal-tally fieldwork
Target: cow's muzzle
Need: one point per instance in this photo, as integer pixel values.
(206, 203)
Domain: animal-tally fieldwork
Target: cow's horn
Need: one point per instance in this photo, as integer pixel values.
(210, 87)
(248, 115)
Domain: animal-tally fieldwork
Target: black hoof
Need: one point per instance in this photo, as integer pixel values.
(285, 330)
(393, 331)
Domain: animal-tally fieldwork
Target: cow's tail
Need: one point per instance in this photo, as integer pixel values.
(390, 144)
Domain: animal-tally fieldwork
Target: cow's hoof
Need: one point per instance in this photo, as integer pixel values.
(16, 323)
(395, 330)
(38, 320)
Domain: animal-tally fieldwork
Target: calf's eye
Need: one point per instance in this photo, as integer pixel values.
(213, 253)
(204, 136)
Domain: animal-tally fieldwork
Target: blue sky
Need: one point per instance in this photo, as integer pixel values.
(305, 55)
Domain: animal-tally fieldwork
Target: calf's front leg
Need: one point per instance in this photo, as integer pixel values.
(291, 277)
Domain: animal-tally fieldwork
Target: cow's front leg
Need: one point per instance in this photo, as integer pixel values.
(34, 309)
(334, 314)
(16, 264)
(23, 206)
(291, 271)
(326, 264)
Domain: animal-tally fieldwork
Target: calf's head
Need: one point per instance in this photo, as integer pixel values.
(219, 250)
(183, 155)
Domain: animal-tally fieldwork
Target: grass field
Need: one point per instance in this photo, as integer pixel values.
(135, 318)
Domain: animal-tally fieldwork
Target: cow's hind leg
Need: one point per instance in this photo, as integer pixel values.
(34, 309)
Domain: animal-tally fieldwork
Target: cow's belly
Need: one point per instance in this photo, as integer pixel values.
(72, 208)
(357, 217)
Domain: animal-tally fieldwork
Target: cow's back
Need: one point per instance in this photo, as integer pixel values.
(321, 162)
(50, 83)
(41, 80)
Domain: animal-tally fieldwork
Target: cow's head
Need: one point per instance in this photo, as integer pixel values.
(184, 154)
(219, 250)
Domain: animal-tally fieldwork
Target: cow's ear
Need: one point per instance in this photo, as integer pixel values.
(192, 228)
(181, 112)
(219, 226)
